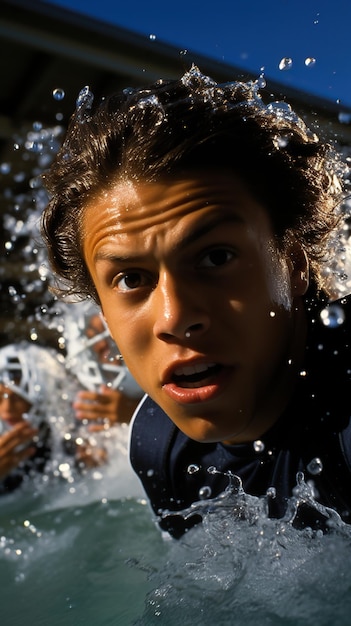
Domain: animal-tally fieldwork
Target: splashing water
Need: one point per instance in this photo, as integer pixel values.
(241, 567)
(237, 567)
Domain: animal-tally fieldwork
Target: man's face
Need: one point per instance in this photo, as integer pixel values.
(198, 300)
(12, 406)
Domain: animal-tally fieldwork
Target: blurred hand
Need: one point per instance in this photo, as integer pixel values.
(108, 405)
(12, 451)
(90, 456)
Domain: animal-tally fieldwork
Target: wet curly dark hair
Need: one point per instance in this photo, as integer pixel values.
(183, 125)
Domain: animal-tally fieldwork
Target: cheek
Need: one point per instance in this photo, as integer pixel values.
(128, 331)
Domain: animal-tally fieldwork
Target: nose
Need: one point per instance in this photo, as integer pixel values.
(179, 311)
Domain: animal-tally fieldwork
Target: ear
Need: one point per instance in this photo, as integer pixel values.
(298, 268)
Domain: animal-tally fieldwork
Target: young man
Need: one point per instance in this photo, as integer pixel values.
(199, 217)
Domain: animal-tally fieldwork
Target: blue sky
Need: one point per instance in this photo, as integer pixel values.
(251, 34)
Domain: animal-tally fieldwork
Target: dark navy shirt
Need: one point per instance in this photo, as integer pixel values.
(315, 426)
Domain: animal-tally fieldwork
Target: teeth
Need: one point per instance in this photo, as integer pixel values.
(188, 370)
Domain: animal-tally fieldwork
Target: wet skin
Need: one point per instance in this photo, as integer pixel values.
(197, 255)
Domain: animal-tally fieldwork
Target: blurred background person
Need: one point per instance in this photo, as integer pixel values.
(110, 395)
(37, 430)
(28, 376)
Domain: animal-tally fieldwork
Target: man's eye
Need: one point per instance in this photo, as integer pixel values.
(216, 258)
(130, 281)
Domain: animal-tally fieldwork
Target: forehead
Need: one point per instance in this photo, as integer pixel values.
(129, 206)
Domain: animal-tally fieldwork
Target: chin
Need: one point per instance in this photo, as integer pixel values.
(206, 434)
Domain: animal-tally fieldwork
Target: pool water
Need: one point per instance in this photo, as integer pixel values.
(93, 555)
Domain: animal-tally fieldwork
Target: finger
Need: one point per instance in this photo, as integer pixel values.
(96, 428)
(23, 427)
(9, 444)
(94, 413)
(91, 396)
(12, 459)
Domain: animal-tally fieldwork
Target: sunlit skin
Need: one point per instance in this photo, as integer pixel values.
(14, 444)
(188, 275)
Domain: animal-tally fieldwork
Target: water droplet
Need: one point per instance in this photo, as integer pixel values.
(5, 168)
(58, 94)
(35, 183)
(285, 63)
(271, 492)
(34, 146)
(315, 466)
(183, 53)
(333, 316)
(193, 468)
(310, 62)
(152, 37)
(281, 141)
(300, 478)
(150, 473)
(261, 82)
(344, 118)
(258, 445)
(85, 98)
(205, 492)
(212, 470)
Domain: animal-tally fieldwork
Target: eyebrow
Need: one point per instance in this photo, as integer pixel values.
(211, 223)
(198, 232)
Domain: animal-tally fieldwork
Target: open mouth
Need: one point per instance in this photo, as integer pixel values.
(193, 376)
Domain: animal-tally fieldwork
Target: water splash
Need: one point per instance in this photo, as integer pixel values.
(84, 104)
(234, 503)
(240, 563)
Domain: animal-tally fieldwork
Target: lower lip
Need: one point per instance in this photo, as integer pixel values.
(193, 395)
